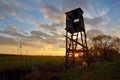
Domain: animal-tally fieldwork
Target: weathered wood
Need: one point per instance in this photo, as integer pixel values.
(74, 45)
(75, 41)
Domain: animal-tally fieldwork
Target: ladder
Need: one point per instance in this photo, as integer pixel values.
(75, 44)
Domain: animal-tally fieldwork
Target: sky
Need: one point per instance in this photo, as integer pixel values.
(37, 27)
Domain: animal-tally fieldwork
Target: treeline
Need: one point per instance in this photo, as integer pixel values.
(104, 48)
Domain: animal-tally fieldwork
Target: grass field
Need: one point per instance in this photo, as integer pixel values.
(101, 71)
(18, 61)
(97, 71)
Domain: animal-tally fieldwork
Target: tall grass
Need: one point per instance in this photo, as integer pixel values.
(18, 61)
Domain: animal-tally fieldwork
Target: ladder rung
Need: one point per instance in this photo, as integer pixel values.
(72, 44)
(74, 39)
(74, 35)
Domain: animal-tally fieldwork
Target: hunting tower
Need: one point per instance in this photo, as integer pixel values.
(75, 38)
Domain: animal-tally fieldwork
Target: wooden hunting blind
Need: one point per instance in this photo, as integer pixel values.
(75, 37)
(74, 21)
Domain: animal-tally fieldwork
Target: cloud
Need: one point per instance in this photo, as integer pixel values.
(6, 9)
(24, 6)
(92, 19)
(11, 28)
(18, 38)
(11, 31)
(10, 41)
(72, 4)
(115, 31)
(46, 38)
(54, 27)
(51, 34)
(39, 34)
(103, 11)
(52, 13)
(96, 21)
(13, 36)
(45, 27)
(47, 34)
(34, 23)
(93, 32)
(7, 41)
(57, 16)
(36, 1)
(57, 13)
(2, 17)
(15, 7)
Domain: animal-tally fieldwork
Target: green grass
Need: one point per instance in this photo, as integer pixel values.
(102, 71)
(18, 61)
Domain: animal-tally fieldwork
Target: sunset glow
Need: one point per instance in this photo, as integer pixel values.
(39, 25)
(76, 55)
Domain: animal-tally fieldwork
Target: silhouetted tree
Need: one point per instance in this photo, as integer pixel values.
(117, 44)
(112, 54)
(102, 43)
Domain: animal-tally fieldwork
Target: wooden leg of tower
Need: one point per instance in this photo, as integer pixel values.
(71, 48)
(73, 53)
(66, 56)
(76, 41)
(88, 58)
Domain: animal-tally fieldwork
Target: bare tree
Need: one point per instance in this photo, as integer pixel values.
(102, 43)
(117, 43)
